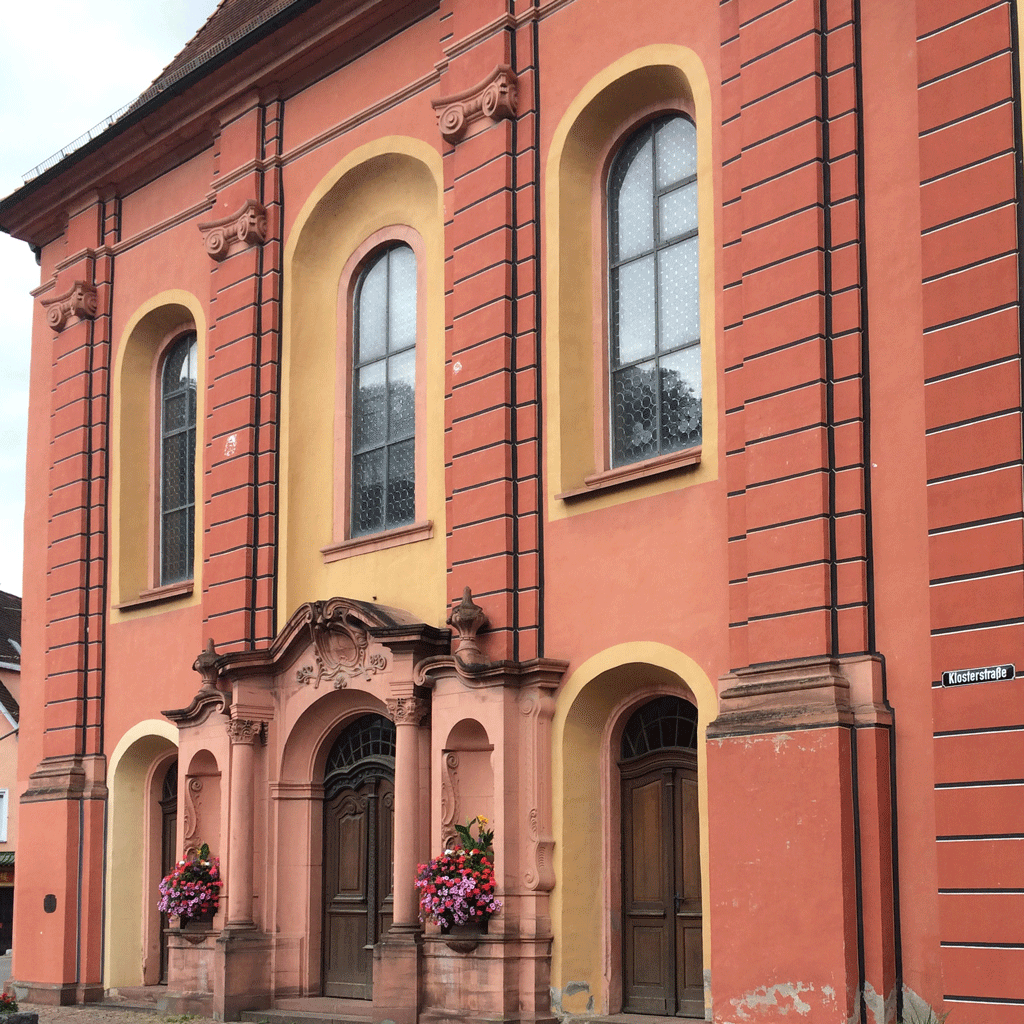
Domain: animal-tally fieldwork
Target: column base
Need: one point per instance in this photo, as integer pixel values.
(396, 976)
(242, 979)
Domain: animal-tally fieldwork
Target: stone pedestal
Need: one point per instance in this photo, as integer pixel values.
(396, 974)
(242, 978)
(502, 979)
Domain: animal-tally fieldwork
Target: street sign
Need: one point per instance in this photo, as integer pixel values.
(989, 674)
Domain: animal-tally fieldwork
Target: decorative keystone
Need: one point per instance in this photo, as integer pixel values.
(80, 302)
(245, 228)
(496, 97)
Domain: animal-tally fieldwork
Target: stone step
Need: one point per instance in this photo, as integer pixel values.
(280, 1016)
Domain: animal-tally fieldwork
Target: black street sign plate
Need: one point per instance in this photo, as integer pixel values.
(989, 674)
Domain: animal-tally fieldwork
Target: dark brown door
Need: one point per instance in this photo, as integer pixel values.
(168, 850)
(358, 871)
(663, 963)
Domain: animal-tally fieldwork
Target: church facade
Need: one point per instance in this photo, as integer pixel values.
(603, 420)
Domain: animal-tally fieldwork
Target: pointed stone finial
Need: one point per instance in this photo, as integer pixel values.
(208, 666)
(468, 618)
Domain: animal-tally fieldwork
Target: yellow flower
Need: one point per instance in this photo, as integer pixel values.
(481, 819)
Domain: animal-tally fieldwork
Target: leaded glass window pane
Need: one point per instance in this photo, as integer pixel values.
(365, 749)
(663, 723)
(384, 394)
(178, 460)
(654, 279)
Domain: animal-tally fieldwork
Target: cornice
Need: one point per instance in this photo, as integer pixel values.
(302, 34)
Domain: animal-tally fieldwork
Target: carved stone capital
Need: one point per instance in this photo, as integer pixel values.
(408, 710)
(496, 97)
(244, 730)
(79, 302)
(246, 227)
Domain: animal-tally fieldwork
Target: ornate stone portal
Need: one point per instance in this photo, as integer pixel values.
(260, 728)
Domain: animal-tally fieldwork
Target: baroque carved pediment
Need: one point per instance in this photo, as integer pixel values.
(341, 647)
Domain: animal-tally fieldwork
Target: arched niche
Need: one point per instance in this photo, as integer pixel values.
(467, 778)
(201, 804)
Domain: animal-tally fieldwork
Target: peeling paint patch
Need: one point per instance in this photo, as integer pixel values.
(881, 1011)
(572, 988)
(780, 998)
(916, 1009)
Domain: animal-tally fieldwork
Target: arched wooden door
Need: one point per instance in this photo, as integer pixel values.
(168, 849)
(662, 937)
(359, 799)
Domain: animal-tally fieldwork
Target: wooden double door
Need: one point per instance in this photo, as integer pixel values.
(662, 939)
(358, 873)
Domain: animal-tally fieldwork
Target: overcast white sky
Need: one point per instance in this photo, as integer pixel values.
(65, 65)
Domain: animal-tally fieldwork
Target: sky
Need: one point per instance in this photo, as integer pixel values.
(65, 65)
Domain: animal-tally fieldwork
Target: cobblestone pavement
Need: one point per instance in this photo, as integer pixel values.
(104, 1013)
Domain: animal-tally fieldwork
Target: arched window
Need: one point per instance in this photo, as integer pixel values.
(654, 346)
(383, 482)
(178, 460)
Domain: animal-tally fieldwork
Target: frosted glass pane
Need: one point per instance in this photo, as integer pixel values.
(676, 143)
(368, 493)
(681, 408)
(678, 212)
(402, 395)
(635, 209)
(401, 507)
(403, 298)
(634, 414)
(372, 316)
(678, 294)
(633, 325)
(369, 411)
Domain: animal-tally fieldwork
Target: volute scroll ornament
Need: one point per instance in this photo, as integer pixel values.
(496, 98)
(246, 227)
(80, 301)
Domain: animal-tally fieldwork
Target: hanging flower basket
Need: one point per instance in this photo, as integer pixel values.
(457, 888)
(192, 890)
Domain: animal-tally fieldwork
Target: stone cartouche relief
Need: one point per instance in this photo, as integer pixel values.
(246, 227)
(340, 649)
(80, 302)
(496, 97)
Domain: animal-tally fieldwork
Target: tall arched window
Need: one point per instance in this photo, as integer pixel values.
(383, 488)
(178, 460)
(654, 345)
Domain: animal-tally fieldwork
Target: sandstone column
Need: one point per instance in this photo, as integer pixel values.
(242, 733)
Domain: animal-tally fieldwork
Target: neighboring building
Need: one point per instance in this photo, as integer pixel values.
(670, 352)
(10, 694)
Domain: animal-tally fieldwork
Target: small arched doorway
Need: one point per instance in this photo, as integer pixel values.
(359, 797)
(662, 943)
